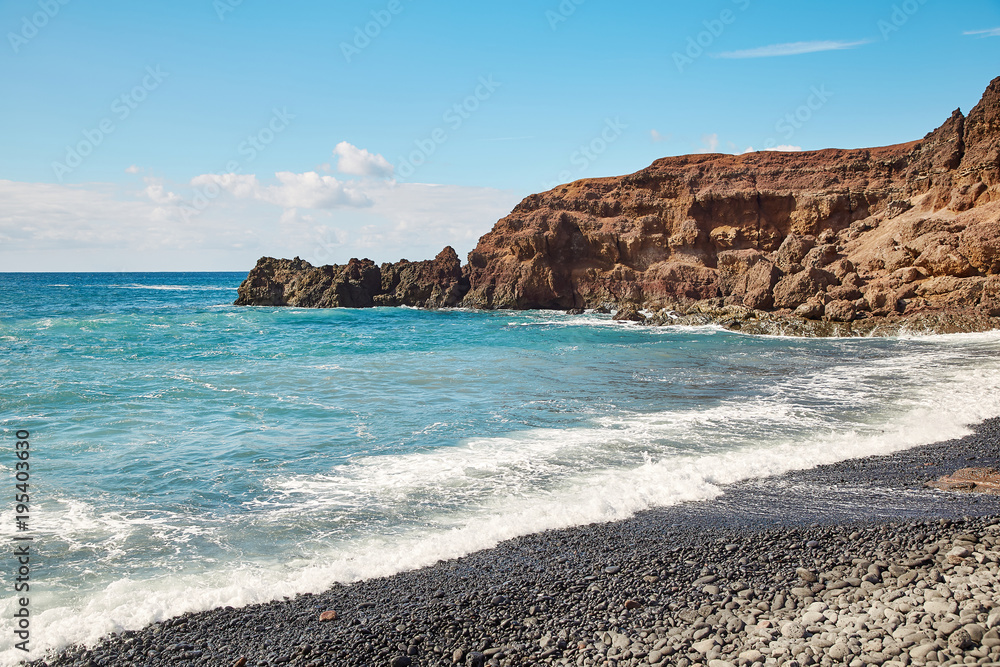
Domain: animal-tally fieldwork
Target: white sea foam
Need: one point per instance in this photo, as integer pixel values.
(488, 489)
(570, 321)
(174, 288)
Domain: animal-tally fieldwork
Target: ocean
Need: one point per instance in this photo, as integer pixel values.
(188, 454)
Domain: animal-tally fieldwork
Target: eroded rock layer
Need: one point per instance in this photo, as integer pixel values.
(835, 235)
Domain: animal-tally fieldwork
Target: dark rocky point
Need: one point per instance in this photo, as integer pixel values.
(437, 283)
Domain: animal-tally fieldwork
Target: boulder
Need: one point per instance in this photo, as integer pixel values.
(794, 290)
(944, 260)
(629, 313)
(980, 243)
(813, 309)
(841, 311)
(792, 251)
(749, 276)
(970, 480)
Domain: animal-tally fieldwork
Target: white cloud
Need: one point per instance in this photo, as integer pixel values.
(992, 32)
(306, 190)
(311, 190)
(433, 216)
(406, 221)
(657, 137)
(133, 169)
(242, 186)
(41, 217)
(158, 193)
(791, 49)
(292, 216)
(709, 143)
(784, 148)
(151, 226)
(359, 162)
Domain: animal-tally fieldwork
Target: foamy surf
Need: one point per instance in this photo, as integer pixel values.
(522, 495)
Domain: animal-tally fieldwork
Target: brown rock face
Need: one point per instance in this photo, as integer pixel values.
(436, 283)
(980, 243)
(837, 234)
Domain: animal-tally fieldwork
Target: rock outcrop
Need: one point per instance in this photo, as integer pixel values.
(436, 283)
(846, 238)
(834, 235)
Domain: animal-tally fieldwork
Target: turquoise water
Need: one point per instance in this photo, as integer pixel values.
(190, 454)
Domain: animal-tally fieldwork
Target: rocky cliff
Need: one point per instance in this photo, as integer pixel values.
(824, 236)
(836, 234)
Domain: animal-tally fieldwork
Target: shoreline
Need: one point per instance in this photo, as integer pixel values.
(740, 319)
(570, 585)
(776, 323)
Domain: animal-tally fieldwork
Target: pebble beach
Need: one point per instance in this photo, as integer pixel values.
(855, 563)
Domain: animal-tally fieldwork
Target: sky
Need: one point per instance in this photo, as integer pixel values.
(200, 135)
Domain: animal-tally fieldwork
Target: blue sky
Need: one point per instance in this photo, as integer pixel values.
(203, 134)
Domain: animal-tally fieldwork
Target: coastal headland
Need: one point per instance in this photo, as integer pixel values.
(829, 242)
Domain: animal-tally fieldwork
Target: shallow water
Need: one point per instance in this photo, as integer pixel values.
(189, 454)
